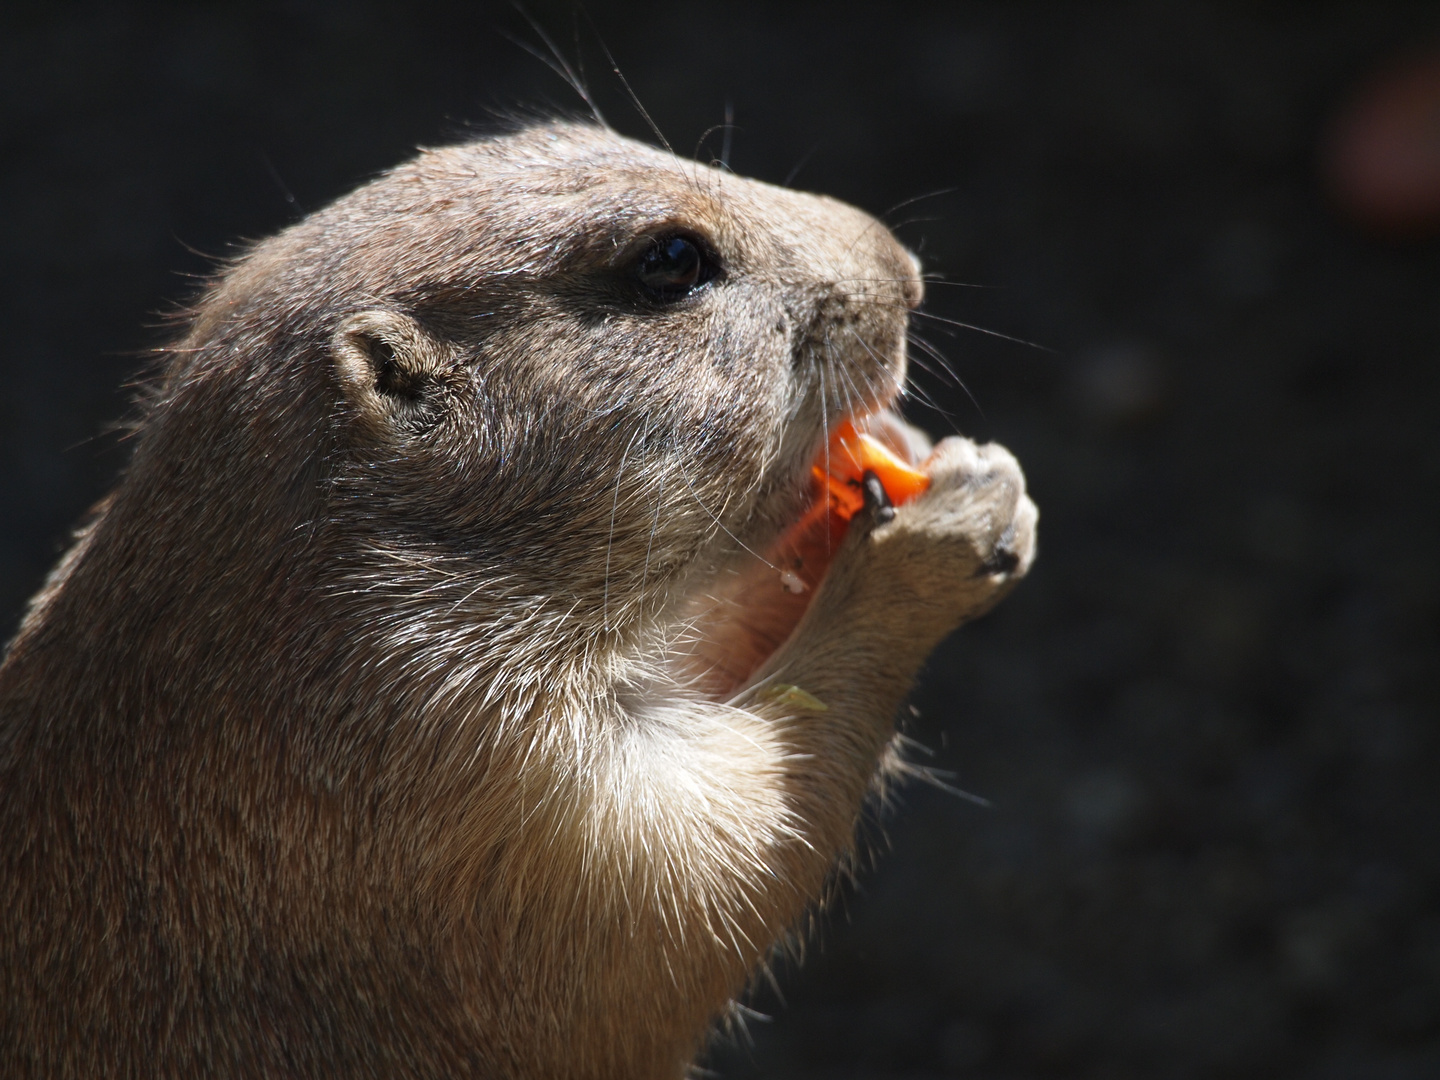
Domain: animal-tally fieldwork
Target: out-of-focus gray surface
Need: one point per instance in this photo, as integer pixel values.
(1207, 721)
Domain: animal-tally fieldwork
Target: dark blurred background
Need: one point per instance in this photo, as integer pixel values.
(1206, 723)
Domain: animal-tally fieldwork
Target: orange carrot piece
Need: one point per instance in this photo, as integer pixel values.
(804, 552)
(853, 453)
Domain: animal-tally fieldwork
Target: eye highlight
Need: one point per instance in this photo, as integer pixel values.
(673, 266)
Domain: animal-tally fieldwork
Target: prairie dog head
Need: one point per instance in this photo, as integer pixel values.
(562, 356)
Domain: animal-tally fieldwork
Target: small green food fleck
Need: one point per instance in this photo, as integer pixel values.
(789, 694)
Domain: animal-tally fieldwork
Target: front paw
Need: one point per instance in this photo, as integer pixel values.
(957, 549)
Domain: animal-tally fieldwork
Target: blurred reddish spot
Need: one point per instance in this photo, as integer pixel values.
(1383, 161)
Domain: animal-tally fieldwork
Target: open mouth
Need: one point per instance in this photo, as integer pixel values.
(752, 612)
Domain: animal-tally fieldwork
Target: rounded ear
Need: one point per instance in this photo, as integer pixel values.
(389, 369)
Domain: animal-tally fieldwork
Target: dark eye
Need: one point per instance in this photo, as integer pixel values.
(673, 267)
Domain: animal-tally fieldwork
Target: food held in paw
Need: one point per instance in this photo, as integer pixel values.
(849, 455)
(803, 554)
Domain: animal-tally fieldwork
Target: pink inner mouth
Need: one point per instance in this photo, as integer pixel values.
(748, 616)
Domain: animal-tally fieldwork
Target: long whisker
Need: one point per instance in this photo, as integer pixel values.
(936, 279)
(720, 524)
(946, 371)
(630, 92)
(654, 528)
(556, 62)
(943, 369)
(727, 141)
(900, 205)
(913, 221)
(983, 330)
(804, 160)
(928, 279)
(610, 544)
(915, 392)
(854, 394)
(825, 415)
(895, 305)
(919, 198)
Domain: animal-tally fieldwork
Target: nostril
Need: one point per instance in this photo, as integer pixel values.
(914, 285)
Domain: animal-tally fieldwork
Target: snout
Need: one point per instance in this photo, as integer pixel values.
(913, 287)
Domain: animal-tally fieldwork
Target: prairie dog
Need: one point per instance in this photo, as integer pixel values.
(426, 700)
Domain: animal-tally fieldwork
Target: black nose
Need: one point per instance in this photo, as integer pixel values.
(913, 285)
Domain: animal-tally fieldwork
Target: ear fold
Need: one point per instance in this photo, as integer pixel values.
(389, 369)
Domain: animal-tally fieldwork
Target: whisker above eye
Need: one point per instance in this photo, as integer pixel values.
(918, 198)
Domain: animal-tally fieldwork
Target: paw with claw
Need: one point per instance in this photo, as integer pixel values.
(952, 553)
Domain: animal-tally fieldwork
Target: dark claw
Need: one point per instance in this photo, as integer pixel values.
(877, 502)
(1001, 561)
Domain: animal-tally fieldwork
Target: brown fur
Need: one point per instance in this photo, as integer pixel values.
(372, 727)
